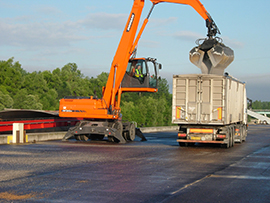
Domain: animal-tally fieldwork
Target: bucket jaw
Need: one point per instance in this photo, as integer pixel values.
(212, 56)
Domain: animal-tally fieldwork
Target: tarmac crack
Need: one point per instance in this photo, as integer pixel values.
(190, 184)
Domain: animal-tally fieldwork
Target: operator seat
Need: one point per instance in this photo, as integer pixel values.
(132, 72)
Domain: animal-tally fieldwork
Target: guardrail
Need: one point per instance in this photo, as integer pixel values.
(44, 123)
(47, 136)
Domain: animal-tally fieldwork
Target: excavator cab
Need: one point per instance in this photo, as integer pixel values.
(141, 75)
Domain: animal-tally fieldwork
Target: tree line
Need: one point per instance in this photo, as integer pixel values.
(20, 89)
(260, 105)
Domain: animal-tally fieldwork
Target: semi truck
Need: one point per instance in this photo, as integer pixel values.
(210, 107)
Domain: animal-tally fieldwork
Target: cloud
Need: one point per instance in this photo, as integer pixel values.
(232, 42)
(256, 85)
(149, 43)
(161, 21)
(104, 21)
(39, 34)
(187, 35)
(21, 31)
(257, 79)
(257, 91)
(47, 10)
(193, 36)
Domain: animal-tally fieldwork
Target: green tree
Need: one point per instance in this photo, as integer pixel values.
(5, 101)
(49, 100)
(31, 102)
(98, 83)
(11, 75)
(23, 100)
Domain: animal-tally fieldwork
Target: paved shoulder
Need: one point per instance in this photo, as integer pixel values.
(247, 180)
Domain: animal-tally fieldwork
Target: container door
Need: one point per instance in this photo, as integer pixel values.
(185, 100)
(205, 100)
(192, 100)
(212, 100)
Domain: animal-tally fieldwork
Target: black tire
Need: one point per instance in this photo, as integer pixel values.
(83, 138)
(232, 135)
(228, 144)
(125, 135)
(241, 130)
(112, 139)
(131, 133)
(244, 133)
(183, 144)
(96, 137)
(119, 127)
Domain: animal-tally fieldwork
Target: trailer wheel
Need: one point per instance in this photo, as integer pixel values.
(231, 140)
(244, 133)
(229, 135)
(232, 135)
(183, 144)
(241, 130)
(228, 144)
(239, 133)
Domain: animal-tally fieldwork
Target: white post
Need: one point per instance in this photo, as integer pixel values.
(18, 130)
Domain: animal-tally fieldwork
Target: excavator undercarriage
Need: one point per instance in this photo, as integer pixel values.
(115, 130)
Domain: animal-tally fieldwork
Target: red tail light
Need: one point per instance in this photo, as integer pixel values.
(182, 135)
(220, 136)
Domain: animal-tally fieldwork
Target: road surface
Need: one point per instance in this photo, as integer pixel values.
(157, 170)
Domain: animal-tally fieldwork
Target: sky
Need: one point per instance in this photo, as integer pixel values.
(45, 35)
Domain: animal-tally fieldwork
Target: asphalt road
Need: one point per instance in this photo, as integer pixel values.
(154, 171)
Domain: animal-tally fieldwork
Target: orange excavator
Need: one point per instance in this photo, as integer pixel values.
(102, 116)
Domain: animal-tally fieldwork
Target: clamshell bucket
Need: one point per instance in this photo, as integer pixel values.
(196, 56)
(212, 57)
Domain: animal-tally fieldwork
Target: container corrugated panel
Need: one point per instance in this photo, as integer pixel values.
(207, 99)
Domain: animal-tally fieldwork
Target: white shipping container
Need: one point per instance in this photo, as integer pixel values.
(206, 99)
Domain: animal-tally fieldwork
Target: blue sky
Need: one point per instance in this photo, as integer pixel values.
(43, 35)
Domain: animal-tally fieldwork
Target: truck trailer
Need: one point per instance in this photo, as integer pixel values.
(209, 108)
